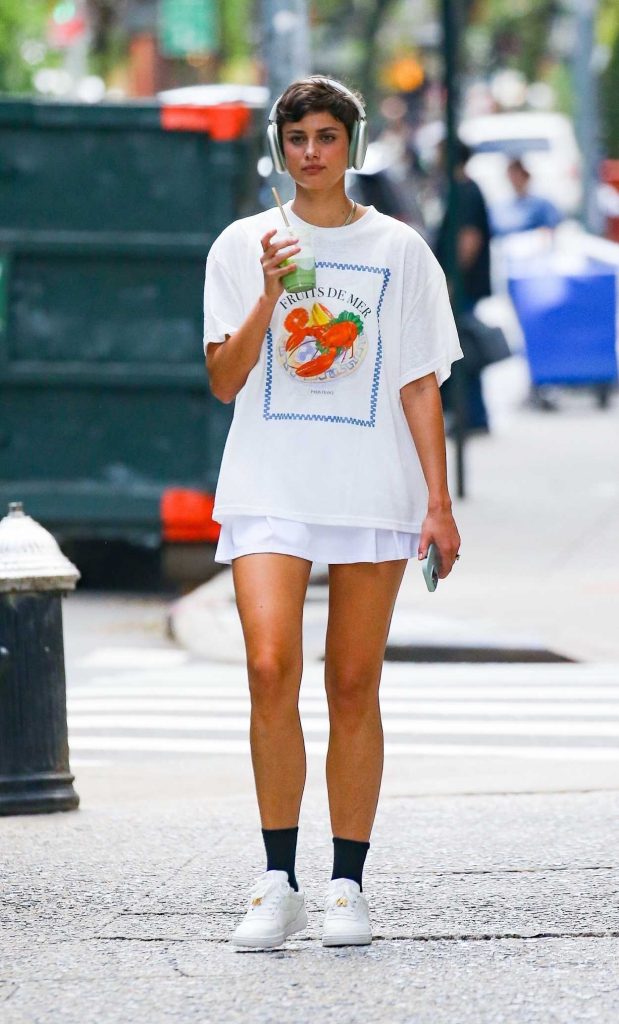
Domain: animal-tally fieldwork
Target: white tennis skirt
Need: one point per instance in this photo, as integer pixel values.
(316, 542)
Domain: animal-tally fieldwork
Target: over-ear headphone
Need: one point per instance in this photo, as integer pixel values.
(358, 136)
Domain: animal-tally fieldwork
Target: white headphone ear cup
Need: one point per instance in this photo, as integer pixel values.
(275, 150)
(354, 142)
(360, 135)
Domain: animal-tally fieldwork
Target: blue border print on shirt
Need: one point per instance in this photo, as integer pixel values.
(371, 422)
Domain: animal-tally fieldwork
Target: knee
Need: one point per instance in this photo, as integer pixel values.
(273, 680)
(351, 695)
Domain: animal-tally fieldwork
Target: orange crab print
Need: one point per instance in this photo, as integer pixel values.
(334, 336)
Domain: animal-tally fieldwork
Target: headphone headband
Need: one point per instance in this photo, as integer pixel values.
(327, 81)
(359, 135)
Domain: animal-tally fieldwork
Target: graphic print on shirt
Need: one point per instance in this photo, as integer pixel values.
(317, 345)
(324, 348)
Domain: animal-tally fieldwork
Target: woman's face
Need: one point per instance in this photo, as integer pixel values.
(316, 150)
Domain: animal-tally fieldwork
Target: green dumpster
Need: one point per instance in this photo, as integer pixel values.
(107, 213)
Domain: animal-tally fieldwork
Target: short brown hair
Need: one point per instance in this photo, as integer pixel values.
(314, 95)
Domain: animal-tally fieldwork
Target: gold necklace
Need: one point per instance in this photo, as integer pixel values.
(351, 215)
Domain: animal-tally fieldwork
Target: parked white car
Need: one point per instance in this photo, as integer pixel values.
(546, 144)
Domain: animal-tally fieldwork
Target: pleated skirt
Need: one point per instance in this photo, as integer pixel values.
(329, 545)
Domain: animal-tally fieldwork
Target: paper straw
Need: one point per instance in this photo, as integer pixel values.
(279, 203)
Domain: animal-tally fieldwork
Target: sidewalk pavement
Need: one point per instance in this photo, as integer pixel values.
(539, 564)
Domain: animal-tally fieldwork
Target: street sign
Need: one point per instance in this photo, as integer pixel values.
(187, 27)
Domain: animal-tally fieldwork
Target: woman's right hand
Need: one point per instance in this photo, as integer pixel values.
(272, 255)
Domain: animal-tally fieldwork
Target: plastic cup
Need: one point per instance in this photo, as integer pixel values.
(303, 279)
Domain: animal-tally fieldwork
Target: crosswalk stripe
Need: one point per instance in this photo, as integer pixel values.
(89, 760)
(528, 675)
(400, 726)
(188, 745)
(157, 706)
(172, 705)
(123, 657)
(141, 691)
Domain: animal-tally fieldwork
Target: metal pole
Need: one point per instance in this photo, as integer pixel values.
(286, 54)
(452, 270)
(585, 85)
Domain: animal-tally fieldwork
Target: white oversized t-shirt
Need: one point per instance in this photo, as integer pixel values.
(319, 434)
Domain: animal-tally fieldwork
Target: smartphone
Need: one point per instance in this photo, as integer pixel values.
(430, 567)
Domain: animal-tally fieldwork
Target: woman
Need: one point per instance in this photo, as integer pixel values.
(336, 454)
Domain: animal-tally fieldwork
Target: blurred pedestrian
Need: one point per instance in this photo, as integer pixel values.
(473, 258)
(336, 455)
(524, 211)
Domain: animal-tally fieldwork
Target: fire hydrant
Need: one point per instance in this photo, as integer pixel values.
(34, 752)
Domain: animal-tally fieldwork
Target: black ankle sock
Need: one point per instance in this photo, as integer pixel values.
(348, 859)
(281, 848)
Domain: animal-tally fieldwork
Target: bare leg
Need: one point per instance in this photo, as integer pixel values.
(361, 601)
(270, 591)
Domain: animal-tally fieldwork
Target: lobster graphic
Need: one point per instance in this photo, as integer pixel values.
(333, 336)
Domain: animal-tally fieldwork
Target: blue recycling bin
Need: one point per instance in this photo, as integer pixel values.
(568, 318)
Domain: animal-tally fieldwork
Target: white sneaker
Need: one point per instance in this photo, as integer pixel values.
(275, 911)
(347, 919)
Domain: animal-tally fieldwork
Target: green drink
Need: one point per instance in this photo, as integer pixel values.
(303, 279)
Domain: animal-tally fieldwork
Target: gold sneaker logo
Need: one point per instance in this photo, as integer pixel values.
(342, 902)
(257, 901)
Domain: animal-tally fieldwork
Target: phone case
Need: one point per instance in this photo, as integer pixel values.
(430, 567)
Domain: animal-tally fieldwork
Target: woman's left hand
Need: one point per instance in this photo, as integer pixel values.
(439, 528)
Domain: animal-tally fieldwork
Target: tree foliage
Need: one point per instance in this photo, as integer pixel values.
(359, 21)
(609, 81)
(235, 22)
(609, 110)
(19, 22)
(517, 32)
